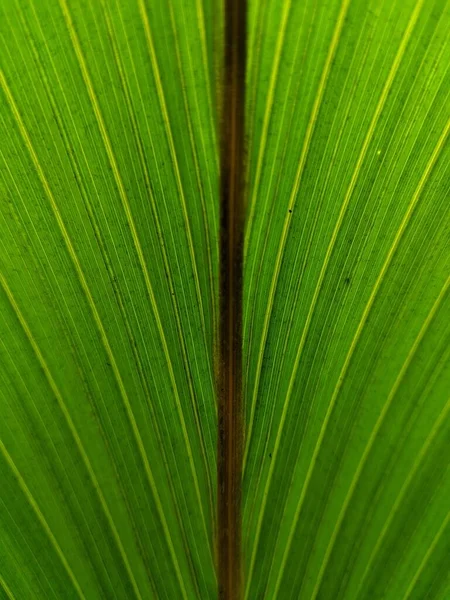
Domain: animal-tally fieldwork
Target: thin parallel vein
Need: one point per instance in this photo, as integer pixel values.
(440, 421)
(394, 135)
(330, 169)
(138, 87)
(201, 21)
(254, 56)
(141, 153)
(443, 589)
(305, 148)
(197, 170)
(249, 335)
(117, 177)
(108, 265)
(76, 169)
(433, 369)
(249, 322)
(60, 293)
(400, 232)
(217, 67)
(442, 583)
(310, 237)
(375, 431)
(99, 325)
(390, 397)
(381, 102)
(201, 192)
(42, 521)
(74, 352)
(116, 286)
(22, 538)
(72, 491)
(266, 120)
(287, 222)
(274, 72)
(351, 187)
(37, 266)
(415, 529)
(137, 244)
(66, 414)
(394, 150)
(356, 172)
(143, 379)
(427, 556)
(412, 120)
(173, 154)
(386, 292)
(255, 473)
(94, 541)
(4, 586)
(142, 103)
(358, 394)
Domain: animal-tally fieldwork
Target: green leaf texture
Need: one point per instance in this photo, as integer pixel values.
(109, 299)
(347, 314)
(109, 226)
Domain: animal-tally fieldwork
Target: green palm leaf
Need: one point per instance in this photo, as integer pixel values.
(109, 300)
(346, 327)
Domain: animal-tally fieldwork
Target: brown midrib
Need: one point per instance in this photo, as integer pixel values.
(230, 437)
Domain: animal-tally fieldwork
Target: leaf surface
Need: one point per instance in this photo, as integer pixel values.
(109, 299)
(346, 323)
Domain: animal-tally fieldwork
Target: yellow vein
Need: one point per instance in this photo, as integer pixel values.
(103, 249)
(205, 59)
(21, 539)
(361, 325)
(95, 314)
(196, 162)
(43, 522)
(66, 468)
(267, 113)
(93, 223)
(249, 323)
(427, 556)
(251, 476)
(399, 499)
(6, 589)
(254, 53)
(217, 32)
(304, 153)
(143, 162)
(165, 115)
(287, 222)
(148, 129)
(353, 181)
(138, 247)
(327, 556)
(57, 394)
(306, 254)
(359, 469)
(378, 110)
(73, 490)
